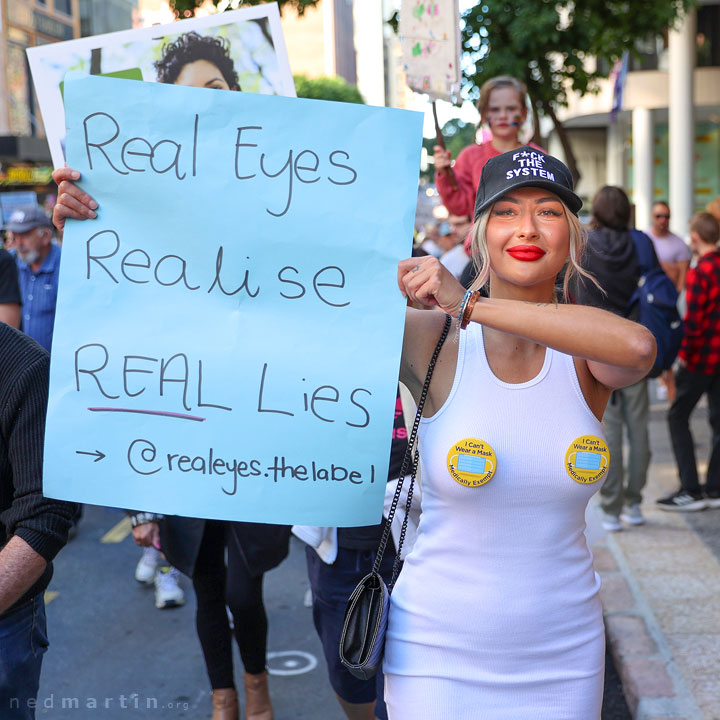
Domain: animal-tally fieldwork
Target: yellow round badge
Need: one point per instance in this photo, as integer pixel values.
(471, 462)
(587, 459)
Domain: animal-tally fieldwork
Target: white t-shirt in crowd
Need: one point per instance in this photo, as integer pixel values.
(670, 247)
(455, 260)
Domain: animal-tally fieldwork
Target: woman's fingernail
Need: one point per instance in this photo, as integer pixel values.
(93, 204)
(92, 214)
(75, 174)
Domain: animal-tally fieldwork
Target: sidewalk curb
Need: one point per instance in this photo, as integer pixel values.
(653, 685)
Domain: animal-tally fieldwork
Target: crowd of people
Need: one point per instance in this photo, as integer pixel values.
(523, 424)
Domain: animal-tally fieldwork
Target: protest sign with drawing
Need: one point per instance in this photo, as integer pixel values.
(249, 41)
(228, 329)
(430, 35)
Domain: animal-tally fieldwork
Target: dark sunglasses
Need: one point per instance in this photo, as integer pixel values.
(662, 215)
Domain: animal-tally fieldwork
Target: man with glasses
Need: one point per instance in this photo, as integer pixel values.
(452, 235)
(674, 256)
(672, 251)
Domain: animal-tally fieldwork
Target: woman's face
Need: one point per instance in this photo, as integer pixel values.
(528, 237)
(204, 74)
(505, 113)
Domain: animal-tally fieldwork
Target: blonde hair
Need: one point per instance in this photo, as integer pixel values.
(578, 240)
(705, 224)
(500, 81)
(713, 207)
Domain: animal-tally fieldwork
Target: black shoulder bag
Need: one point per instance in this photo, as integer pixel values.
(362, 641)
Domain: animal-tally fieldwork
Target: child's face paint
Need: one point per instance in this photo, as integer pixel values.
(505, 112)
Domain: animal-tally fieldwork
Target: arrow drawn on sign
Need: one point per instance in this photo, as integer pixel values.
(99, 454)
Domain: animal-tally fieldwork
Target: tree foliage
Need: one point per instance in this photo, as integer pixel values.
(551, 44)
(327, 88)
(187, 8)
(457, 135)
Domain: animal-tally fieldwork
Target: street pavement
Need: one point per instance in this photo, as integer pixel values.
(114, 655)
(661, 591)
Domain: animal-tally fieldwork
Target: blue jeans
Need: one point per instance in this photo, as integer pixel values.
(331, 586)
(23, 642)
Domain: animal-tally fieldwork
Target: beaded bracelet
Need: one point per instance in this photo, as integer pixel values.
(467, 310)
(463, 305)
(143, 517)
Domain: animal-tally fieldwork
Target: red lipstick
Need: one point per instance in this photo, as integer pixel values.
(526, 253)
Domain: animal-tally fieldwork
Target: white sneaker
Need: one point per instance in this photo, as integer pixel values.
(168, 592)
(147, 565)
(632, 515)
(610, 523)
(308, 599)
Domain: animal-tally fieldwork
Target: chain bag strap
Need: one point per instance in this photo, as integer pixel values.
(362, 640)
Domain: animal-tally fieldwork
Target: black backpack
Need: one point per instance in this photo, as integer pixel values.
(654, 305)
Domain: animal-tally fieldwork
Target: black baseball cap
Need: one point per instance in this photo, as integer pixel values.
(525, 167)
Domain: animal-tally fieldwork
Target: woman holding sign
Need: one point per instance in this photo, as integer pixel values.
(496, 613)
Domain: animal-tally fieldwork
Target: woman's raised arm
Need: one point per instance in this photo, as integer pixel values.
(618, 352)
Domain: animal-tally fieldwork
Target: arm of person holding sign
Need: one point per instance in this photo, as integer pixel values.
(72, 202)
(612, 352)
(456, 199)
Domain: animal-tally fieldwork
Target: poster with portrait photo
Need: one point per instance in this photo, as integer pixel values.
(242, 49)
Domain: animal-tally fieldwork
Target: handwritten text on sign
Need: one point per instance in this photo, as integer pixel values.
(228, 329)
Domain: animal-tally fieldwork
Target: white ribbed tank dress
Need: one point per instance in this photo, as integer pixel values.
(496, 614)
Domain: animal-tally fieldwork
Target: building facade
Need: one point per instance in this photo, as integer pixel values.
(25, 164)
(24, 155)
(351, 39)
(104, 16)
(665, 142)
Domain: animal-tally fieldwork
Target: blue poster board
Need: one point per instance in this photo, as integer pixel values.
(228, 329)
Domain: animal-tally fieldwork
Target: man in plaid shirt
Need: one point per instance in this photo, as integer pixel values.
(698, 371)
